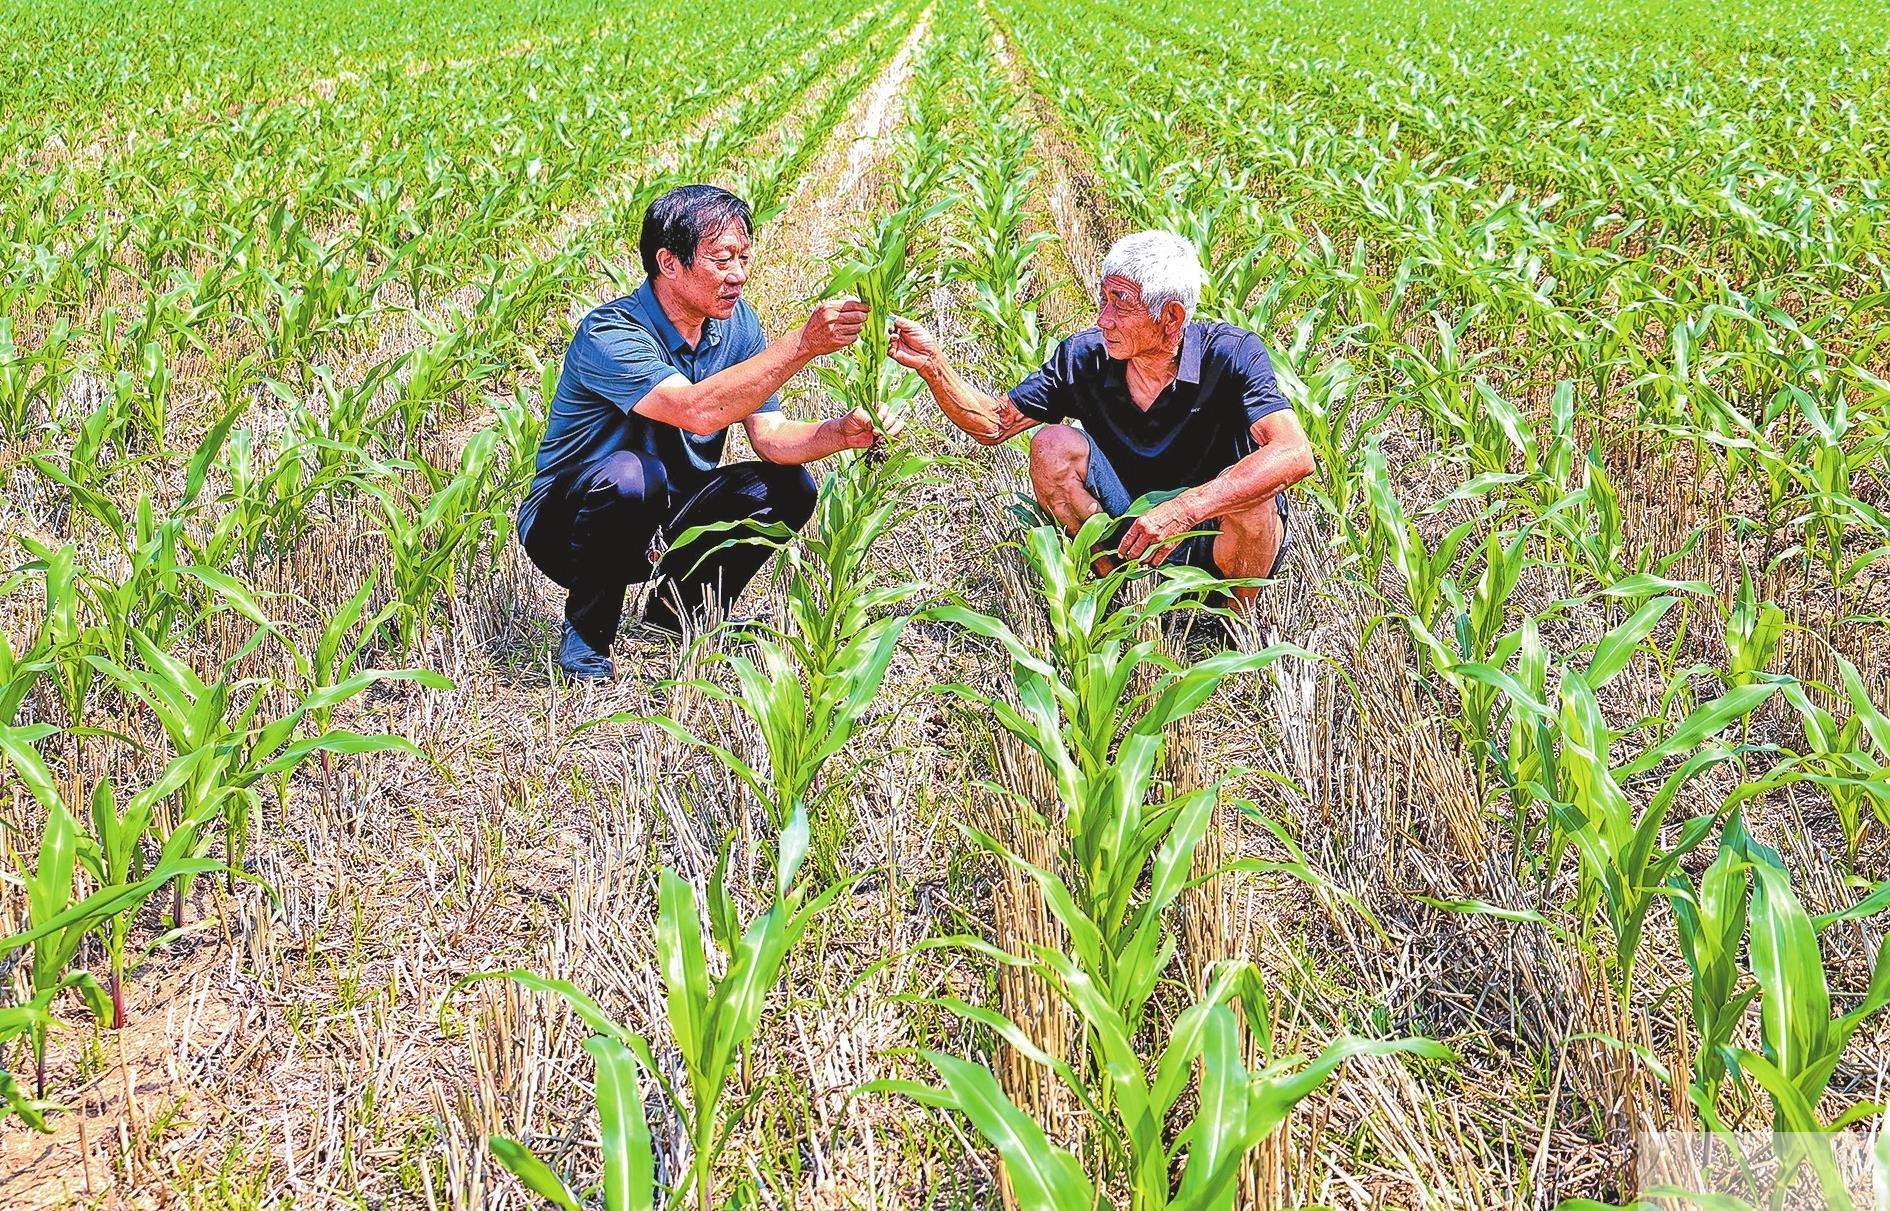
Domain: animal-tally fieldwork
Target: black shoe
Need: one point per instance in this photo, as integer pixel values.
(579, 660)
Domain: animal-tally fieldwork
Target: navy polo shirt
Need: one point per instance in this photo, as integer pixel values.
(1200, 425)
(619, 352)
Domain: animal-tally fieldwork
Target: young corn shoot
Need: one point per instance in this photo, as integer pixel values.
(711, 1021)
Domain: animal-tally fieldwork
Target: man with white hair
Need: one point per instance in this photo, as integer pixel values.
(1184, 412)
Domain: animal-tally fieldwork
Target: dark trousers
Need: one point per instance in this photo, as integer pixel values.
(593, 537)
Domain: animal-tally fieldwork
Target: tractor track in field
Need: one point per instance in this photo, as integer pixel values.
(1086, 219)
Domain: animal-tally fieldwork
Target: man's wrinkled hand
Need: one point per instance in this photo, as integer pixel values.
(1153, 536)
(857, 430)
(913, 347)
(833, 325)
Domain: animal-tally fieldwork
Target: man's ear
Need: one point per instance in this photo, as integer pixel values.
(1174, 315)
(668, 264)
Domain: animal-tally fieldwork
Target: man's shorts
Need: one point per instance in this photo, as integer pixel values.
(1105, 485)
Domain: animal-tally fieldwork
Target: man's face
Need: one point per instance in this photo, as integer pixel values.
(1128, 330)
(711, 284)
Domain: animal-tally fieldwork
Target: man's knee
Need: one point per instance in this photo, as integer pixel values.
(629, 477)
(1058, 453)
(789, 493)
(1249, 541)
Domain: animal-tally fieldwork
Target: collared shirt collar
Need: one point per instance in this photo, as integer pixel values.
(1189, 370)
(658, 319)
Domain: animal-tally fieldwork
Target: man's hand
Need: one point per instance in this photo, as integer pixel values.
(1153, 536)
(856, 431)
(913, 347)
(833, 325)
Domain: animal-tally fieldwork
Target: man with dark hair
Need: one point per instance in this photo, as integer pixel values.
(631, 452)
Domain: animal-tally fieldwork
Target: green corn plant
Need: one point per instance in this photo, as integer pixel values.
(994, 250)
(1599, 540)
(98, 451)
(1338, 425)
(1801, 1043)
(59, 919)
(1194, 1169)
(1102, 744)
(1485, 648)
(146, 394)
(113, 853)
(879, 271)
(1849, 760)
(346, 637)
(808, 685)
(1824, 463)
(801, 726)
(63, 641)
(1441, 381)
(152, 590)
(807, 688)
(229, 719)
(1711, 924)
(430, 538)
(1425, 570)
(1623, 867)
(345, 420)
(711, 1020)
(1528, 759)
(1754, 630)
(271, 501)
(31, 379)
(434, 371)
(1552, 475)
(520, 423)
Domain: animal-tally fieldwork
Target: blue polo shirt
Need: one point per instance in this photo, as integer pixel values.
(1200, 425)
(619, 352)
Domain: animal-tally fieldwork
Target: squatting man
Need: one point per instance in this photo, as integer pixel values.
(630, 459)
(1183, 412)
(631, 456)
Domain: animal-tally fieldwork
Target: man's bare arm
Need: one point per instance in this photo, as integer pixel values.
(727, 396)
(1284, 458)
(780, 440)
(989, 419)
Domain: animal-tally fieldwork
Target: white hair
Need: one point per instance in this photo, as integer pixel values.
(1163, 264)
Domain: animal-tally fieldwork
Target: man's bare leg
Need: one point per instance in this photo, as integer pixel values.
(1059, 461)
(1247, 546)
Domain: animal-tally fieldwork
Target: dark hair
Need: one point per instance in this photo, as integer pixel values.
(680, 218)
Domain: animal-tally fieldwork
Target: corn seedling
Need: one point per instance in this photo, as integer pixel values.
(1193, 1164)
(431, 537)
(59, 918)
(880, 273)
(711, 1020)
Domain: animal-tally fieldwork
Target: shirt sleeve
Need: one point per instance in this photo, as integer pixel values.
(1260, 390)
(754, 340)
(1046, 394)
(618, 361)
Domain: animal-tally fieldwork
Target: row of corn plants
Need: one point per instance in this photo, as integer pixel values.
(805, 687)
(1096, 709)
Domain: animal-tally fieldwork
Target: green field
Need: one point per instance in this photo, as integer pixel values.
(1543, 805)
